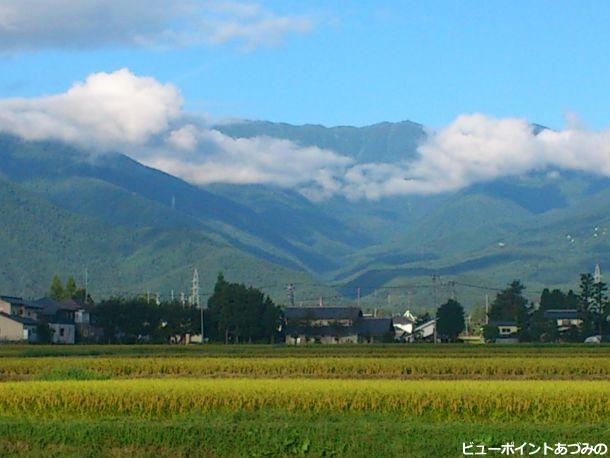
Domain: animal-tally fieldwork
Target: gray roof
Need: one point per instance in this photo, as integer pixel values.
(364, 326)
(322, 313)
(559, 314)
(21, 319)
(375, 326)
(424, 325)
(13, 300)
(504, 323)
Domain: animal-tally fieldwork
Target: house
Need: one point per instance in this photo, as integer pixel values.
(564, 318)
(59, 316)
(333, 325)
(404, 325)
(87, 326)
(12, 305)
(507, 331)
(425, 332)
(506, 328)
(371, 330)
(16, 328)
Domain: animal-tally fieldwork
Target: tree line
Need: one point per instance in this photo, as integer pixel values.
(235, 313)
(510, 305)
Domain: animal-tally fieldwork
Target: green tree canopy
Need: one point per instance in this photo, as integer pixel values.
(510, 305)
(450, 320)
(241, 314)
(56, 290)
(70, 289)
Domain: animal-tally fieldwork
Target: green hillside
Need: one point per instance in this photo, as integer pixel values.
(136, 228)
(39, 239)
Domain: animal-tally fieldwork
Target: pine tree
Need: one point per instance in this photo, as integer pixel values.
(56, 290)
(71, 288)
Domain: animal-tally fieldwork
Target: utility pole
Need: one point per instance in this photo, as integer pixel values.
(434, 289)
(358, 295)
(452, 285)
(172, 295)
(194, 300)
(486, 308)
(148, 296)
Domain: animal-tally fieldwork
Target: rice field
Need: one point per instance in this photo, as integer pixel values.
(398, 368)
(279, 401)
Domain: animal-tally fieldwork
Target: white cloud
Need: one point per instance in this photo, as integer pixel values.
(476, 148)
(218, 158)
(108, 110)
(74, 24)
(144, 118)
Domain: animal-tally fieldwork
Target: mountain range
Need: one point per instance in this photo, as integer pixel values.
(136, 229)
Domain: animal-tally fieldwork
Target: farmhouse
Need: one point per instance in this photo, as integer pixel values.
(333, 325)
(564, 319)
(425, 332)
(59, 316)
(17, 306)
(15, 328)
(18, 320)
(404, 325)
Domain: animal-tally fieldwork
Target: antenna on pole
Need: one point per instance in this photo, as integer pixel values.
(86, 285)
(290, 289)
(597, 276)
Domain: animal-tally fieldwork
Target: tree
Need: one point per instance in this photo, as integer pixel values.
(478, 319)
(45, 333)
(557, 299)
(450, 320)
(600, 304)
(586, 306)
(510, 305)
(422, 319)
(56, 290)
(70, 289)
(586, 292)
(241, 314)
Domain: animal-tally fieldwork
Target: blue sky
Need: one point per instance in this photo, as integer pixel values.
(368, 61)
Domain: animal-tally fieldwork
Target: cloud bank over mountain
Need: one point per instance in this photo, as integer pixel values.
(144, 118)
(76, 24)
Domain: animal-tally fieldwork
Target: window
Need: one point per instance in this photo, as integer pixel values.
(61, 332)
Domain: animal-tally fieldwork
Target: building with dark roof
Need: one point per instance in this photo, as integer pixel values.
(18, 306)
(16, 328)
(59, 316)
(565, 319)
(333, 325)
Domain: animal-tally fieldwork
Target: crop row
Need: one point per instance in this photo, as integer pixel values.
(272, 351)
(50, 368)
(464, 401)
